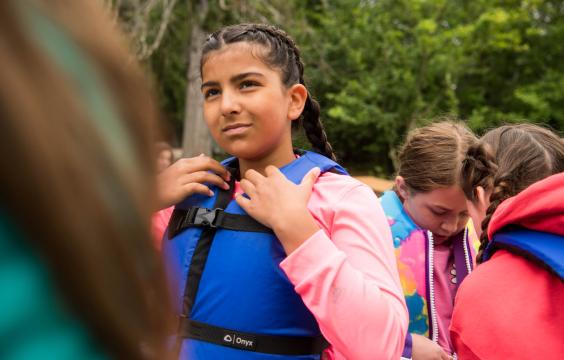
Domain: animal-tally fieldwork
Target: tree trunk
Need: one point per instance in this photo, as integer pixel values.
(196, 138)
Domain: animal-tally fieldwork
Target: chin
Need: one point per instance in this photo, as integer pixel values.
(439, 239)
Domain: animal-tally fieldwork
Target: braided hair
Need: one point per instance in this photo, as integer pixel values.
(283, 55)
(507, 160)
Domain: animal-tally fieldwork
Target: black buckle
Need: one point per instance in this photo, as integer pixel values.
(206, 217)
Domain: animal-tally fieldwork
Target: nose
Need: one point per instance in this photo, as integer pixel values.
(230, 104)
(449, 225)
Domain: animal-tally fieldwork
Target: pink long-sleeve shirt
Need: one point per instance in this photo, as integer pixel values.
(346, 272)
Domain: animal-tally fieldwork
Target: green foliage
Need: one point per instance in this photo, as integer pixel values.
(381, 67)
(169, 67)
(389, 65)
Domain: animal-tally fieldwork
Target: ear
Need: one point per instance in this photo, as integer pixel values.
(297, 98)
(401, 187)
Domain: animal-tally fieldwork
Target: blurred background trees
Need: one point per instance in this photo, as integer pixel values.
(378, 67)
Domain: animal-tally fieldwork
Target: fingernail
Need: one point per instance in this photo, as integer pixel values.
(228, 176)
(226, 186)
(210, 193)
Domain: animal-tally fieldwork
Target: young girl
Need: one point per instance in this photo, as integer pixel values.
(315, 274)
(428, 217)
(511, 306)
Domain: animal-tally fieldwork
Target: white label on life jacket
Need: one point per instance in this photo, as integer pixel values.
(240, 341)
(228, 338)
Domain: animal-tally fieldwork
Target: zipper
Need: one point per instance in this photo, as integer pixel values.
(433, 314)
(466, 246)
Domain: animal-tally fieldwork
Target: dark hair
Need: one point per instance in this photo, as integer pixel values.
(81, 192)
(506, 161)
(282, 54)
(431, 156)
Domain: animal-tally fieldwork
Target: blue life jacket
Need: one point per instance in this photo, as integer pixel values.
(546, 249)
(244, 306)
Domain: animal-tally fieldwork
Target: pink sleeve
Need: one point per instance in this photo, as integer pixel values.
(349, 279)
(159, 222)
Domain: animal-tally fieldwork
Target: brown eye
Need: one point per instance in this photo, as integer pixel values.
(248, 84)
(210, 92)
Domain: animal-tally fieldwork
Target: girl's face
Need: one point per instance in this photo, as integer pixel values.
(247, 108)
(442, 211)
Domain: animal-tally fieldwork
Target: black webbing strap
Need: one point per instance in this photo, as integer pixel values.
(269, 344)
(200, 257)
(201, 254)
(217, 218)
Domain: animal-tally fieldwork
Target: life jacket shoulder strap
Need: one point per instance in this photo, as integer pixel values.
(212, 218)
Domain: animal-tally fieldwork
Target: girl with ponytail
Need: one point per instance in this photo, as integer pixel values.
(511, 306)
(276, 253)
(433, 238)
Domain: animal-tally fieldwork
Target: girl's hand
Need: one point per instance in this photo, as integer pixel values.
(187, 177)
(425, 349)
(280, 204)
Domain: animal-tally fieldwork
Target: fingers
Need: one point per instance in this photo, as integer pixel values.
(272, 171)
(444, 356)
(253, 176)
(248, 187)
(202, 163)
(310, 178)
(195, 188)
(244, 203)
(204, 177)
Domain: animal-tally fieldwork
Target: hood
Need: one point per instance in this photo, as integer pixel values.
(539, 207)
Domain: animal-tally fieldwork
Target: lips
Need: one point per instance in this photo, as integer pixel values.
(233, 129)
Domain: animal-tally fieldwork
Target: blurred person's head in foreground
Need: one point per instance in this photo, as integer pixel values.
(78, 120)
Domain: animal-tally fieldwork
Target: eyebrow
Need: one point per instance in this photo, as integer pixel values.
(439, 207)
(233, 79)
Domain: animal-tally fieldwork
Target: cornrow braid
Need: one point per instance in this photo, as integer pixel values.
(519, 155)
(282, 54)
(478, 169)
(502, 190)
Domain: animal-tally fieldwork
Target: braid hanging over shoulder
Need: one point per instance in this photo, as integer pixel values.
(520, 155)
(314, 130)
(282, 54)
(502, 190)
